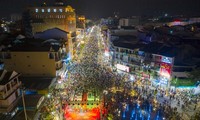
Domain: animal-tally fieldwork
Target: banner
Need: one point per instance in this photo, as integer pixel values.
(165, 70)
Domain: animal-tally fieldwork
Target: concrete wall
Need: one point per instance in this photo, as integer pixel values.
(31, 64)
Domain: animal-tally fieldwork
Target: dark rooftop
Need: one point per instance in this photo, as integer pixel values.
(7, 77)
(32, 48)
(31, 44)
(129, 42)
(30, 100)
(36, 83)
(159, 48)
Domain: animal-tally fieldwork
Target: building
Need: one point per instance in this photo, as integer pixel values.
(60, 35)
(47, 17)
(124, 52)
(81, 21)
(9, 90)
(110, 22)
(16, 17)
(81, 24)
(133, 21)
(34, 57)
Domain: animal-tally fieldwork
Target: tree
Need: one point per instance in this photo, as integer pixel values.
(195, 74)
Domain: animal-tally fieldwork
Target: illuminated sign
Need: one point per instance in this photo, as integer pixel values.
(166, 59)
(163, 81)
(122, 67)
(165, 70)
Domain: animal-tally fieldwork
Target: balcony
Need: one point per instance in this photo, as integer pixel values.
(4, 94)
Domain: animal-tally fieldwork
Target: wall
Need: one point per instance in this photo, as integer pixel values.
(8, 101)
(65, 20)
(31, 64)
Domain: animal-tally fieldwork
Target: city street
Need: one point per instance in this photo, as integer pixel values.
(88, 89)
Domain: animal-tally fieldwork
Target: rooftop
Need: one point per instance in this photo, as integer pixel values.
(7, 76)
(159, 48)
(31, 48)
(36, 83)
(129, 42)
(31, 45)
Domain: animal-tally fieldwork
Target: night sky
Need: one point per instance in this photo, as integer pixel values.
(104, 8)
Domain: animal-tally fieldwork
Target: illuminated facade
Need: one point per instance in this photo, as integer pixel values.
(81, 22)
(58, 16)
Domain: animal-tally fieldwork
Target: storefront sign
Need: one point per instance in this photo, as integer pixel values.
(122, 67)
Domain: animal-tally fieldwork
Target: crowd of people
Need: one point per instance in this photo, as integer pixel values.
(89, 72)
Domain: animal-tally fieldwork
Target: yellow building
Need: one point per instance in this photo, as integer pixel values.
(33, 61)
(47, 17)
(81, 21)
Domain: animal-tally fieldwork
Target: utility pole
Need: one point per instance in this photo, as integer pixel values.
(24, 106)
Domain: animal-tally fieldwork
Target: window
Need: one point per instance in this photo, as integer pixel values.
(42, 10)
(51, 56)
(36, 10)
(7, 55)
(13, 83)
(8, 87)
(54, 10)
(48, 10)
(60, 10)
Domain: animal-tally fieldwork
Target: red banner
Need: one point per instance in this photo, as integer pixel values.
(165, 70)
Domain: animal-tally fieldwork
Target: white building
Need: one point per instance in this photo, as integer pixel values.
(9, 90)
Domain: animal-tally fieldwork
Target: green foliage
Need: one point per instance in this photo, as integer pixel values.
(182, 82)
(195, 74)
